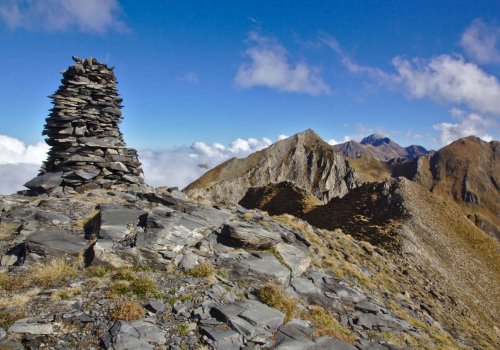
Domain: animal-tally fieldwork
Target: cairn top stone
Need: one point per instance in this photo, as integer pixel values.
(87, 149)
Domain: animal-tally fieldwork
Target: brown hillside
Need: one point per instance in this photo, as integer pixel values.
(430, 233)
(466, 171)
(281, 198)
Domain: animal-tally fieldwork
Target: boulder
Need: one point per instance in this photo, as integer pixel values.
(259, 268)
(298, 260)
(245, 235)
(45, 182)
(56, 244)
(252, 319)
(138, 335)
(27, 326)
(117, 223)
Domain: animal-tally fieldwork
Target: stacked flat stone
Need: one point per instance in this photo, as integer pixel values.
(87, 147)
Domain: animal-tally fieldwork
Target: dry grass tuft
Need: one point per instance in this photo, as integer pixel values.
(18, 300)
(128, 312)
(124, 274)
(203, 270)
(247, 216)
(274, 296)
(11, 283)
(7, 317)
(119, 288)
(53, 273)
(143, 287)
(327, 325)
(96, 271)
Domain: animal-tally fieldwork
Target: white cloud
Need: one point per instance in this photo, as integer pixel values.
(467, 124)
(15, 175)
(445, 78)
(282, 137)
(334, 142)
(180, 166)
(481, 42)
(240, 146)
(19, 162)
(269, 66)
(94, 16)
(452, 80)
(14, 151)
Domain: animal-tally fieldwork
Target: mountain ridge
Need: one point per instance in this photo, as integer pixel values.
(303, 158)
(380, 147)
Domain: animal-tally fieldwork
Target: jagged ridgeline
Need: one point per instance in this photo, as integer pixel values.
(87, 149)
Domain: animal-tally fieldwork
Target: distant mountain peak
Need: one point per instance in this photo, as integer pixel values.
(375, 140)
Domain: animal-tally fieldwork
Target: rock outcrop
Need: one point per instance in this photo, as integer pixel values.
(87, 148)
(151, 271)
(405, 218)
(304, 159)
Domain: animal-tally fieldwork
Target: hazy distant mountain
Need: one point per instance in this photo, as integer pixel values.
(304, 159)
(379, 147)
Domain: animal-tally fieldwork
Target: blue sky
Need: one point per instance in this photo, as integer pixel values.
(210, 72)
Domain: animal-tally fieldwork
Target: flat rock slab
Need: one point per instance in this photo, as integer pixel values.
(367, 307)
(298, 260)
(25, 327)
(309, 291)
(259, 268)
(136, 335)
(244, 235)
(319, 343)
(54, 218)
(45, 182)
(252, 319)
(294, 330)
(56, 244)
(170, 231)
(118, 222)
(223, 338)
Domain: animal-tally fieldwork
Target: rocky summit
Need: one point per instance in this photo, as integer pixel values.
(304, 159)
(86, 146)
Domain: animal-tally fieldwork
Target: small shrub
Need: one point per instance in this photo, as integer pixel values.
(128, 312)
(96, 271)
(11, 283)
(119, 288)
(53, 273)
(186, 297)
(204, 269)
(124, 274)
(143, 286)
(63, 295)
(7, 318)
(183, 330)
(276, 297)
(327, 325)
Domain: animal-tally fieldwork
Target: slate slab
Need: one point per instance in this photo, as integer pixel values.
(56, 244)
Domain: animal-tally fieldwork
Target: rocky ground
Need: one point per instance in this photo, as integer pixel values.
(118, 270)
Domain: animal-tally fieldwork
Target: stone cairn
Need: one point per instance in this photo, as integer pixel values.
(87, 148)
